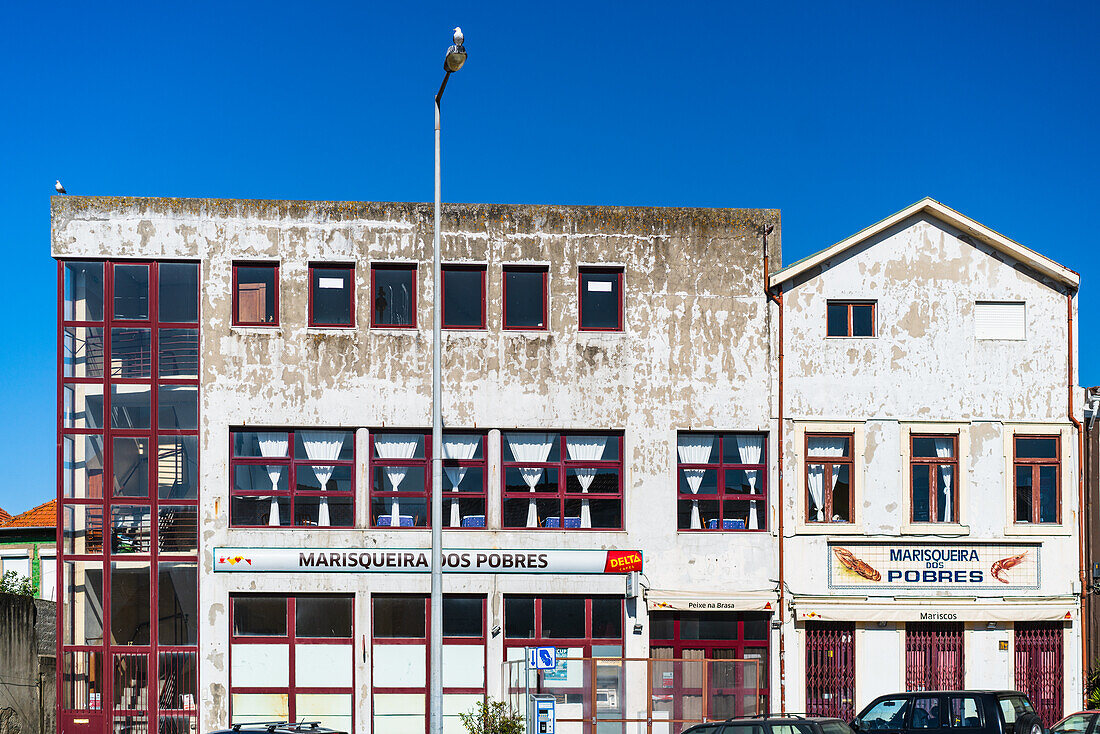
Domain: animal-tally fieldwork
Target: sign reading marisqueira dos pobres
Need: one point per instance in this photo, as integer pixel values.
(418, 560)
(933, 565)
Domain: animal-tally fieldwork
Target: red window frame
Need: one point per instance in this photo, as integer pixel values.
(351, 293)
(849, 305)
(545, 271)
(561, 494)
(831, 463)
(292, 640)
(540, 639)
(409, 267)
(274, 266)
(1036, 465)
(382, 497)
(684, 499)
(147, 663)
(291, 464)
(445, 269)
(933, 464)
(581, 273)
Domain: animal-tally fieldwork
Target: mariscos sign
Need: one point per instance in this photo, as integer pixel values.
(927, 565)
(418, 560)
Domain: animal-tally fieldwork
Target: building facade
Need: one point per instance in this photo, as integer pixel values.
(244, 450)
(28, 548)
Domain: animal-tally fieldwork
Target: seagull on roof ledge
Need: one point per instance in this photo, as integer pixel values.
(459, 38)
(58, 187)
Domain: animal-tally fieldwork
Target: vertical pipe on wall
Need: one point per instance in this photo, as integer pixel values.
(1070, 411)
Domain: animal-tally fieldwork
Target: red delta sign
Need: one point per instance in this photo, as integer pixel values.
(623, 562)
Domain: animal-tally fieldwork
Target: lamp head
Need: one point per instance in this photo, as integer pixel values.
(456, 54)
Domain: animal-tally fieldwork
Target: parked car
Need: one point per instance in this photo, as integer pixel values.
(764, 724)
(1082, 722)
(278, 727)
(976, 712)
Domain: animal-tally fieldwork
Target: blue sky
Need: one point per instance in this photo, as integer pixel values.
(838, 114)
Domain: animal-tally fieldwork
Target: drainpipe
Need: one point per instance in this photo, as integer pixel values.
(1080, 493)
(778, 301)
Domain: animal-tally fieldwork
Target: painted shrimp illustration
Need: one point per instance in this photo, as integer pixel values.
(999, 567)
(855, 565)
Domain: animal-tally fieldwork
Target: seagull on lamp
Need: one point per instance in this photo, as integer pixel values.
(459, 38)
(58, 187)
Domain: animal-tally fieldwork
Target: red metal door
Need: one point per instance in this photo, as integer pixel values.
(934, 657)
(831, 669)
(1039, 664)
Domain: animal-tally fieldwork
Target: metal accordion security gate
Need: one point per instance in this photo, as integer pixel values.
(934, 657)
(1039, 667)
(831, 669)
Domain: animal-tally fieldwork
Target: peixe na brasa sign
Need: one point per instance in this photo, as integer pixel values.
(933, 565)
(418, 560)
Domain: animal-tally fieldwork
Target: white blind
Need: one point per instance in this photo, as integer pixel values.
(999, 320)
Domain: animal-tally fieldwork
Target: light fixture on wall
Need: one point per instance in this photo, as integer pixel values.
(882, 624)
(637, 628)
(991, 625)
(496, 630)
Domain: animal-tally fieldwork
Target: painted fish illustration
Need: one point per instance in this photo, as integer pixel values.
(857, 566)
(999, 567)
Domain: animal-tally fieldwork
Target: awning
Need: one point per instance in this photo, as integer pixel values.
(935, 609)
(669, 600)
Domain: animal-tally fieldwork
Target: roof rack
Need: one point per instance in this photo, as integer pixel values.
(788, 715)
(271, 726)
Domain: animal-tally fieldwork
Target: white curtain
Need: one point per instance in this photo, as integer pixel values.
(815, 481)
(273, 444)
(396, 446)
(322, 446)
(945, 449)
(535, 448)
(461, 448)
(585, 448)
(750, 449)
(694, 450)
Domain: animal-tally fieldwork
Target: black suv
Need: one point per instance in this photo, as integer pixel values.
(789, 724)
(959, 712)
(278, 727)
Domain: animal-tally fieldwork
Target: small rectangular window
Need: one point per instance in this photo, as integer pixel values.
(399, 616)
(934, 476)
(601, 299)
(331, 295)
(850, 318)
(178, 293)
(256, 294)
(83, 291)
(393, 296)
(525, 298)
(131, 286)
(1036, 474)
(463, 616)
(323, 616)
(829, 491)
(999, 320)
(463, 297)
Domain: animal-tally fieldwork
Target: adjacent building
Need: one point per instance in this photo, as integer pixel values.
(28, 548)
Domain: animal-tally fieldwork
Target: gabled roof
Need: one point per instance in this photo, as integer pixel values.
(945, 214)
(43, 516)
(4, 516)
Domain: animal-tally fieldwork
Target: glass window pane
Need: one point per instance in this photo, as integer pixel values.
(131, 353)
(463, 294)
(178, 407)
(600, 299)
(179, 352)
(256, 286)
(82, 529)
(841, 494)
(312, 510)
(1048, 493)
(130, 406)
(834, 447)
(258, 477)
(331, 293)
(398, 446)
(1036, 448)
(131, 527)
(563, 617)
(708, 626)
(82, 607)
(755, 627)
(323, 616)
(178, 599)
(863, 319)
(266, 444)
(246, 511)
(178, 467)
(82, 680)
(259, 616)
(838, 319)
(82, 406)
(82, 467)
(921, 510)
(323, 446)
(887, 715)
(519, 617)
(177, 529)
(83, 347)
(524, 299)
(179, 690)
(131, 285)
(1023, 494)
(399, 616)
(463, 616)
(178, 296)
(607, 617)
(130, 603)
(394, 298)
(926, 713)
(965, 712)
(924, 447)
(83, 291)
(130, 459)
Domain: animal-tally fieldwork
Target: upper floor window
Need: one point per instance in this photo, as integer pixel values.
(601, 299)
(256, 294)
(292, 478)
(829, 496)
(722, 481)
(525, 297)
(1036, 469)
(332, 295)
(393, 295)
(463, 296)
(1000, 320)
(851, 318)
(555, 480)
(934, 470)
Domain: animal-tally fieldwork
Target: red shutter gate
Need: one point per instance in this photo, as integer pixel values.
(1039, 666)
(934, 657)
(831, 669)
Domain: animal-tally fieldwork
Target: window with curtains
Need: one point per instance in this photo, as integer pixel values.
(401, 479)
(300, 478)
(934, 471)
(829, 493)
(722, 480)
(562, 480)
(1036, 466)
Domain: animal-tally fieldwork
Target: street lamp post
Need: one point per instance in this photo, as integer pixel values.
(452, 62)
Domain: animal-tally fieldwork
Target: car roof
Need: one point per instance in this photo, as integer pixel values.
(961, 691)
